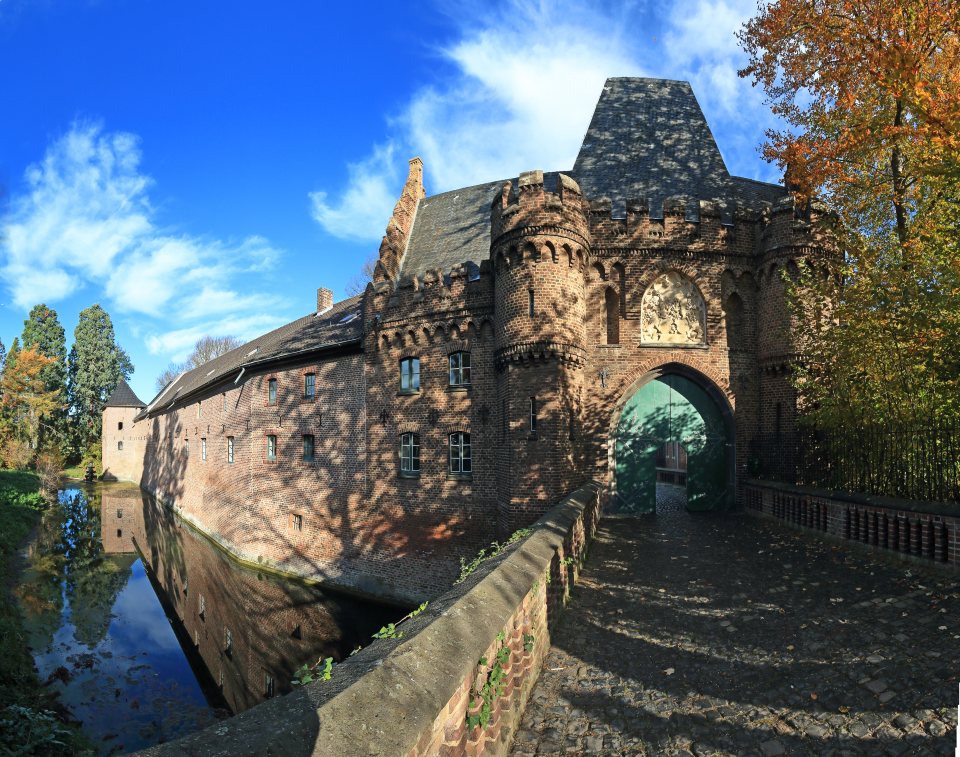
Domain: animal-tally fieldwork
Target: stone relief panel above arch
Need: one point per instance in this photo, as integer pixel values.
(672, 311)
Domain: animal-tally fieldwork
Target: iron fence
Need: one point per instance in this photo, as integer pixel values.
(919, 463)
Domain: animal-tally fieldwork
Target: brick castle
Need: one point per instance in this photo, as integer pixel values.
(518, 338)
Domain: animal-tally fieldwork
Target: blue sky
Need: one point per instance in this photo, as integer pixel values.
(201, 168)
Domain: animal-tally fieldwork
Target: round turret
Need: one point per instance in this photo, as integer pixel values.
(540, 245)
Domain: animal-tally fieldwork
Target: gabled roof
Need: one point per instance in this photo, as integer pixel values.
(340, 326)
(123, 396)
(648, 139)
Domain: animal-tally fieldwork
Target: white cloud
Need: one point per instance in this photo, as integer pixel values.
(86, 220)
(525, 79)
(362, 211)
(179, 343)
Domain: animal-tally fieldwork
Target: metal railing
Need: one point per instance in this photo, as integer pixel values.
(920, 463)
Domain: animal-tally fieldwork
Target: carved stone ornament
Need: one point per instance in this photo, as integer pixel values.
(672, 311)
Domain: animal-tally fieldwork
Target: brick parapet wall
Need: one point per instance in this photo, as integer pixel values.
(924, 532)
(411, 696)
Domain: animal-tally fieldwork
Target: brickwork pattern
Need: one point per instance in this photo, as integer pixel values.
(927, 537)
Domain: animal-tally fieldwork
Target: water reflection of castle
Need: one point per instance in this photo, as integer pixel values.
(246, 631)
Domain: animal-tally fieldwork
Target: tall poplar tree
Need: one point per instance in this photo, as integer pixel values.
(43, 333)
(96, 365)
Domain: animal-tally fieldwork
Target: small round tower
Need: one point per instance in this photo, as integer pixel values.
(540, 247)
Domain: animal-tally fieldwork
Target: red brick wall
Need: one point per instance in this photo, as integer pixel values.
(905, 529)
(365, 524)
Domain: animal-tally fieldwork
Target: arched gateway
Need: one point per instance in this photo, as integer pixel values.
(674, 407)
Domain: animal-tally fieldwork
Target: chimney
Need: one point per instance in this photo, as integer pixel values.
(324, 300)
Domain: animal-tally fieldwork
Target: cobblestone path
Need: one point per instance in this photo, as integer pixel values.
(702, 634)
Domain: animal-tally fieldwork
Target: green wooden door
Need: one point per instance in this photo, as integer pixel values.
(671, 409)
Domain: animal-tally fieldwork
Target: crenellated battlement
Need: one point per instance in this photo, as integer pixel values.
(531, 209)
(466, 283)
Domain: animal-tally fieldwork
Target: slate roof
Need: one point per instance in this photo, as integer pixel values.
(648, 139)
(123, 396)
(342, 325)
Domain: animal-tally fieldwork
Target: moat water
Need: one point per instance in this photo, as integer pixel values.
(148, 632)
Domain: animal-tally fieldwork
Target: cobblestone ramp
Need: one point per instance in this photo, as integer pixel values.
(705, 635)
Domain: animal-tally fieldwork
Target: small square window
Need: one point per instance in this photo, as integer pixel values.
(229, 449)
(272, 391)
(297, 522)
(271, 447)
(308, 448)
(309, 386)
(410, 374)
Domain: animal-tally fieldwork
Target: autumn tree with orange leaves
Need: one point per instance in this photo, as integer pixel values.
(869, 91)
(26, 403)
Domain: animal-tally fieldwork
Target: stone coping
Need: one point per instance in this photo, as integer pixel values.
(382, 700)
(889, 503)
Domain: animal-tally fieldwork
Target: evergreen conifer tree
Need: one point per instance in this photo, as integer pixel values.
(96, 365)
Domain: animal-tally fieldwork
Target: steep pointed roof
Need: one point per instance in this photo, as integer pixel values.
(648, 140)
(123, 396)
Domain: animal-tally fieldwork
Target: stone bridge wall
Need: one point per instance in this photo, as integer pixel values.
(922, 531)
(413, 695)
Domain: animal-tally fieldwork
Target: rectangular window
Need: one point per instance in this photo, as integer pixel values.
(120, 426)
(224, 402)
(533, 415)
(460, 369)
(530, 303)
(203, 605)
(186, 448)
(460, 453)
(119, 513)
(198, 409)
(119, 533)
(203, 448)
(271, 447)
(309, 386)
(272, 391)
(410, 454)
(267, 686)
(229, 449)
(297, 522)
(120, 446)
(308, 453)
(410, 374)
(227, 641)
